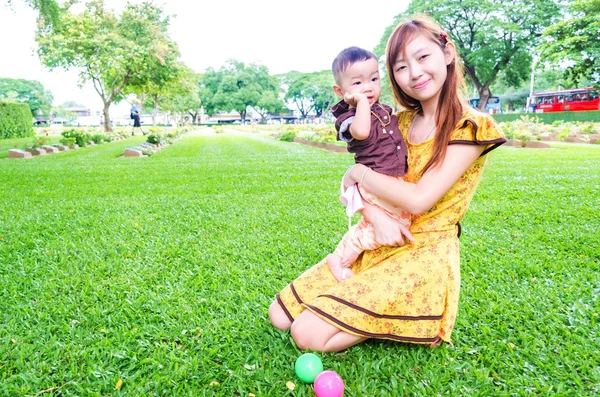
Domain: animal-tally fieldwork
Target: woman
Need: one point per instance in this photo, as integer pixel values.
(404, 292)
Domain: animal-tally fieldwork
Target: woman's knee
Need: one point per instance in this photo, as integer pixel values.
(302, 337)
(278, 317)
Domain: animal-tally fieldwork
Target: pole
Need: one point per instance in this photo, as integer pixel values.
(533, 62)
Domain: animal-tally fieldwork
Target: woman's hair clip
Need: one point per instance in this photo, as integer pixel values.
(444, 36)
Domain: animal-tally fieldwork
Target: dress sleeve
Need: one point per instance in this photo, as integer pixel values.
(478, 129)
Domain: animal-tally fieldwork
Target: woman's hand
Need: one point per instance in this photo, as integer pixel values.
(388, 231)
(352, 176)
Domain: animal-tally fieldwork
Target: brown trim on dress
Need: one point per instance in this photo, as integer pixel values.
(459, 229)
(295, 293)
(372, 335)
(362, 309)
(285, 310)
(495, 142)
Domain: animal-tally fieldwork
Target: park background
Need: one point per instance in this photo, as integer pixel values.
(152, 275)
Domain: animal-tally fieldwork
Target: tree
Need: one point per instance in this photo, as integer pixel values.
(185, 96)
(268, 103)
(30, 91)
(108, 51)
(490, 35)
(49, 11)
(236, 86)
(576, 41)
(310, 92)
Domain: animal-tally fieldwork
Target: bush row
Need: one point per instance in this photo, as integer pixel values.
(15, 120)
(528, 128)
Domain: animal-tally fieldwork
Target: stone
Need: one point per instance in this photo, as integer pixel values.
(537, 145)
(18, 154)
(574, 139)
(36, 151)
(50, 149)
(62, 148)
(133, 153)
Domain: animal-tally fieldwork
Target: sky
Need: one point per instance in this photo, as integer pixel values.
(304, 36)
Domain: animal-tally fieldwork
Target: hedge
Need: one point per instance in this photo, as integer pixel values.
(15, 120)
(549, 118)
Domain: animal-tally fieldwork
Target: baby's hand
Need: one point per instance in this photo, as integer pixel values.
(354, 99)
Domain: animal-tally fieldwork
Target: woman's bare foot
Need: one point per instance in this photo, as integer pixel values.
(335, 266)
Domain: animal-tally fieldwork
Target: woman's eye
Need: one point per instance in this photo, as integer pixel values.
(356, 83)
(424, 56)
(400, 68)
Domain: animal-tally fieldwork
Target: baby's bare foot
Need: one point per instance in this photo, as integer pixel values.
(335, 266)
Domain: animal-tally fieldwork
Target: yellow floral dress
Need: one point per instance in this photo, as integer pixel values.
(407, 293)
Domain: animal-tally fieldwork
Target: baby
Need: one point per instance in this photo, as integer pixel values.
(371, 131)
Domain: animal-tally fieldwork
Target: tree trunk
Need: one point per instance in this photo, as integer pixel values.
(484, 95)
(194, 115)
(155, 110)
(107, 126)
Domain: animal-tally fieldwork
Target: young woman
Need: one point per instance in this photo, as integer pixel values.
(404, 292)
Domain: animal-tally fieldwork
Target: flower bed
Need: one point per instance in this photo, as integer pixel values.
(530, 128)
(158, 139)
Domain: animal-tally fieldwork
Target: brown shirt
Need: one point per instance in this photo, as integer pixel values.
(384, 151)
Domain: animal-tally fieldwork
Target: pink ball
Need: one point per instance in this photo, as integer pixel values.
(329, 384)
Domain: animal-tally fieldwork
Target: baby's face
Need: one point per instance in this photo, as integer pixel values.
(362, 77)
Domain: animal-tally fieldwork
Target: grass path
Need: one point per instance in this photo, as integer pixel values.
(158, 271)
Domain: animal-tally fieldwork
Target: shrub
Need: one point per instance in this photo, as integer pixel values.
(81, 138)
(98, 138)
(154, 139)
(522, 136)
(287, 136)
(563, 132)
(509, 129)
(38, 142)
(70, 142)
(15, 120)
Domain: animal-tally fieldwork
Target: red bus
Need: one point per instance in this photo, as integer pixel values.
(565, 100)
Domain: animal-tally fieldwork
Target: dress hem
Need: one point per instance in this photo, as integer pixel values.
(355, 331)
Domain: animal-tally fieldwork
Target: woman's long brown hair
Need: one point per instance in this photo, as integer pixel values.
(451, 105)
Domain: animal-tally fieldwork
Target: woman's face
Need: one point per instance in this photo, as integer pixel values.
(421, 70)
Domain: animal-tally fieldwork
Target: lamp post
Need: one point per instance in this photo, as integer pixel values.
(536, 58)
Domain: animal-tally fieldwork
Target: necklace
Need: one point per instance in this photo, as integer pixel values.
(411, 132)
(386, 117)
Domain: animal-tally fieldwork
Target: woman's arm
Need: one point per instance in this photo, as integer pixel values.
(420, 197)
(388, 231)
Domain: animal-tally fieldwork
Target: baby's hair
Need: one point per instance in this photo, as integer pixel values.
(348, 57)
(450, 104)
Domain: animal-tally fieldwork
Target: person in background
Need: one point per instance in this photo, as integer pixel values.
(135, 116)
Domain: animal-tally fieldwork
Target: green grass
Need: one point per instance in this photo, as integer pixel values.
(159, 271)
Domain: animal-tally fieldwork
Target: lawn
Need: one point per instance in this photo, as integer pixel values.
(153, 275)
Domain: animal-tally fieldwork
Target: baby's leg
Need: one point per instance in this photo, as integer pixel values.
(334, 261)
(362, 239)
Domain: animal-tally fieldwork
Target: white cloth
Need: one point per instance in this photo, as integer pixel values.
(352, 200)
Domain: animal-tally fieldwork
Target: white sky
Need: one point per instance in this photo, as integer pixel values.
(284, 36)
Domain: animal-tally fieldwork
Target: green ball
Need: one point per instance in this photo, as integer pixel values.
(307, 367)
